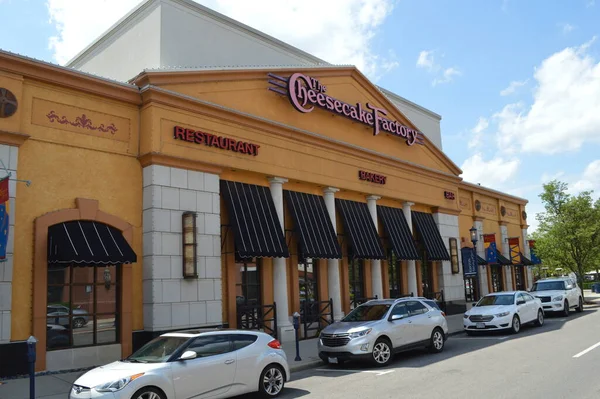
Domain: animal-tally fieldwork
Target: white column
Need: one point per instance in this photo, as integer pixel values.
(376, 279)
(412, 266)
(333, 265)
(506, 253)
(285, 330)
(483, 282)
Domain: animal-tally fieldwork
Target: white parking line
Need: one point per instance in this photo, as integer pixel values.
(377, 373)
(481, 338)
(587, 350)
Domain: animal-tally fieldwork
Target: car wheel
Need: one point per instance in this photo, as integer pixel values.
(382, 352)
(580, 307)
(436, 342)
(566, 308)
(516, 325)
(78, 322)
(148, 393)
(540, 318)
(271, 381)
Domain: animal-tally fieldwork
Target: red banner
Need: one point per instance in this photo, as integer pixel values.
(489, 238)
(4, 190)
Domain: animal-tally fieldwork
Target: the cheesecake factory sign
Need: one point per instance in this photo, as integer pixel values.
(306, 93)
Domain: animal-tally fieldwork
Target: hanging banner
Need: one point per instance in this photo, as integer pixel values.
(469, 261)
(515, 252)
(489, 243)
(533, 255)
(4, 212)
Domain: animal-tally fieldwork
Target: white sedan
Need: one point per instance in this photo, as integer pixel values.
(504, 310)
(192, 364)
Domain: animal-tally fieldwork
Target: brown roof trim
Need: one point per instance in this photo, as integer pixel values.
(447, 211)
(68, 78)
(154, 158)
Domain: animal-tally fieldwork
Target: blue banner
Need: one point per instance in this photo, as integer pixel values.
(3, 230)
(491, 253)
(469, 261)
(534, 257)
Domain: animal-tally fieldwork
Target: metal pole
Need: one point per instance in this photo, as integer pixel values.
(31, 355)
(296, 327)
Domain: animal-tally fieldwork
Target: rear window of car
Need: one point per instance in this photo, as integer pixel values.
(433, 304)
(243, 340)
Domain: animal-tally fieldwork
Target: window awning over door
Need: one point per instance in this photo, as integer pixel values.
(360, 230)
(399, 233)
(481, 261)
(525, 261)
(254, 219)
(430, 236)
(87, 242)
(316, 235)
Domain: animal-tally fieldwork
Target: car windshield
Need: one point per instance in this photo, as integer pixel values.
(367, 313)
(548, 286)
(493, 300)
(158, 350)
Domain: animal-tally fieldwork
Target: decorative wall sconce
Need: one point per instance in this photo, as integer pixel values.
(107, 278)
(190, 263)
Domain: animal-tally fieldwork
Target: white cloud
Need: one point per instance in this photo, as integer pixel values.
(426, 60)
(590, 179)
(477, 132)
(338, 31)
(564, 114)
(512, 87)
(566, 28)
(492, 173)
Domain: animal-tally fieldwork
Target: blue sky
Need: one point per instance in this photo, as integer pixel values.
(516, 82)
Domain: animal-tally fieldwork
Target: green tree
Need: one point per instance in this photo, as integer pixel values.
(569, 231)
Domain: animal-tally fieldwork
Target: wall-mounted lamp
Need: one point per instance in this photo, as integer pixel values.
(473, 232)
(188, 223)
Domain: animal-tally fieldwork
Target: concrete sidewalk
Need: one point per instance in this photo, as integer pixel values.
(58, 385)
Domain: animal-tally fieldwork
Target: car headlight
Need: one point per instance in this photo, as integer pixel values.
(466, 316)
(117, 385)
(359, 334)
(503, 314)
(557, 298)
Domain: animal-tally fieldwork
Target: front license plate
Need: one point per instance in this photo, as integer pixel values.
(333, 360)
(480, 325)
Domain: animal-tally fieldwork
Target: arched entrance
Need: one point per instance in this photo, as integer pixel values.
(105, 228)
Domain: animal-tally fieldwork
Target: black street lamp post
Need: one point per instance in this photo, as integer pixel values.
(473, 232)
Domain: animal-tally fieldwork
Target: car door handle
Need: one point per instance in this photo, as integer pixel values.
(229, 361)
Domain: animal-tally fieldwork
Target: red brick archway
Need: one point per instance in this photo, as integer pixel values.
(86, 209)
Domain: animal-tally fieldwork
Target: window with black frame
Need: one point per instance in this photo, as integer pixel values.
(308, 285)
(356, 280)
(497, 280)
(394, 275)
(82, 306)
(520, 278)
(247, 283)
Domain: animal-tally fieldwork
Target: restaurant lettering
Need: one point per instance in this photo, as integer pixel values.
(306, 93)
(372, 177)
(211, 140)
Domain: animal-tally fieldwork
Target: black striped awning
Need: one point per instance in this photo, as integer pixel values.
(430, 236)
(525, 261)
(316, 236)
(481, 261)
(252, 214)
(85, 242)
(360, 230)
(502, 260)
(399, 233)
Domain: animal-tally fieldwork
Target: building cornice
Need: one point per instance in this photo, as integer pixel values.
(13, 138)
(476, 188)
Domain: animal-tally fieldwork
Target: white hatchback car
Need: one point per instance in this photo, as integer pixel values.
(504, 310)
(192, 364)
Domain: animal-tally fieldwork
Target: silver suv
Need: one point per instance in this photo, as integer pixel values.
(377, 329)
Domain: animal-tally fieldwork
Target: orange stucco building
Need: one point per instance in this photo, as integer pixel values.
(201, 197)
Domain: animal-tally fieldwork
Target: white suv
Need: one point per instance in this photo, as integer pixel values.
(558, 294)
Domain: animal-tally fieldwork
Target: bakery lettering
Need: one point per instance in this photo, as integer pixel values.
(372, 177)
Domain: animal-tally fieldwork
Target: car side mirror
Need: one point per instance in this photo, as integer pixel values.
(395, 317)
(521, 302)
(188, 355)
